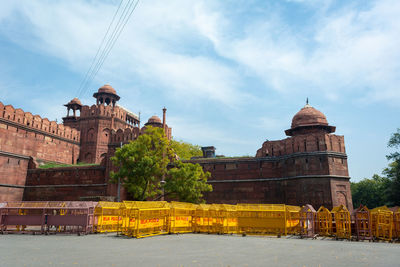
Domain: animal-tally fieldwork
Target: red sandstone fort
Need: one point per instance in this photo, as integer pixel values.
(308, 167)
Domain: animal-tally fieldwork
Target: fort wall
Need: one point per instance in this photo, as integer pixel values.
(317, 178)
(70, 183)
(23, 134)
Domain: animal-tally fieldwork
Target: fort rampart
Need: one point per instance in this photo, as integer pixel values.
(23, 135)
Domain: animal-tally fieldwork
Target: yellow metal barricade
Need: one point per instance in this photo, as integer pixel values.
(363, 223)
(108, 216)
(324, 221)
(293, 219)
(181, 217)
(382, 223)
(342, 221)
(146, 218)
(228, 213)
(266, 219)
(396, 222)
(202, 219)
(216, 219)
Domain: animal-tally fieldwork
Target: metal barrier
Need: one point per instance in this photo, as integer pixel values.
(324, 221)
(224, 219)
(108, 216)
(265, 219)
(293, 219)
(396, 222)
(228, 213)
(382, 223)
(181, 217)
(216, 220)
(202, 219)
(308, 217)
(47, 217)
(363, 223)
(146, 218)
(342, 222)
(72, 217)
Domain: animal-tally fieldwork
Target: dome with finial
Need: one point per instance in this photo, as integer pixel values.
(309, 117)
(75, 101)
(107, 89)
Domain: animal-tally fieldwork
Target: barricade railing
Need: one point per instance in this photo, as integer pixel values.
(293, 219)
(308, 220)
(108, 216)
(363, 223)
(324, 221)
(382, 223)
(342, 221)
(264, 219)
(396, 222)
(216, 219)
(223, 219)
(146, 218)
(47, 217)
(202, 219)
(229, 222)
(181, 218)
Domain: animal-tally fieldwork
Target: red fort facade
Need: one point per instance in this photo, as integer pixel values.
(308, 167)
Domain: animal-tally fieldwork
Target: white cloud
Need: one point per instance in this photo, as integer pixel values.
(147, 49)
(348, 51)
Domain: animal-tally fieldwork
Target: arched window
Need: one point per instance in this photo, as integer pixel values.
(90, 134)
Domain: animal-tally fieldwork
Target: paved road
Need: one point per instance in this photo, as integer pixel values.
(191, 250)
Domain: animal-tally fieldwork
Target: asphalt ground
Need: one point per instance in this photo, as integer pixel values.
(191, 250)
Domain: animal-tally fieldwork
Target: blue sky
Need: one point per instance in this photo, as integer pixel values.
(230, 73)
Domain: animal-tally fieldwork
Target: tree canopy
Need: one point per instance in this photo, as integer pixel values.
(185, 151)
(381, 190)
(148, 168)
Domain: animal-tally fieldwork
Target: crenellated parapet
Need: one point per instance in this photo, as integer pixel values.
(116, 112)
(19, 118)
(312, 142)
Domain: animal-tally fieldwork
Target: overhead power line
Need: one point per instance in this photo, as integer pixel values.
(104, 50)
(81, 86)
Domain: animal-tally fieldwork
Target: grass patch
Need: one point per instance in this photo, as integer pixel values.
(61, 165)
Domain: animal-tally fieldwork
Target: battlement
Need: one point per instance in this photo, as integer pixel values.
(109, 111)
(37, 123)
(303, 143)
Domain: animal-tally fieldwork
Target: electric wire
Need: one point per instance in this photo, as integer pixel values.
(112, 38)
(105, 48)
(78, 93)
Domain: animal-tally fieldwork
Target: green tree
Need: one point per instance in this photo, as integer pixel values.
(379, 190)
(370, 192)
(185, 151)
(142, 164)
(392, 172)
(187, 182)
(143, 170)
